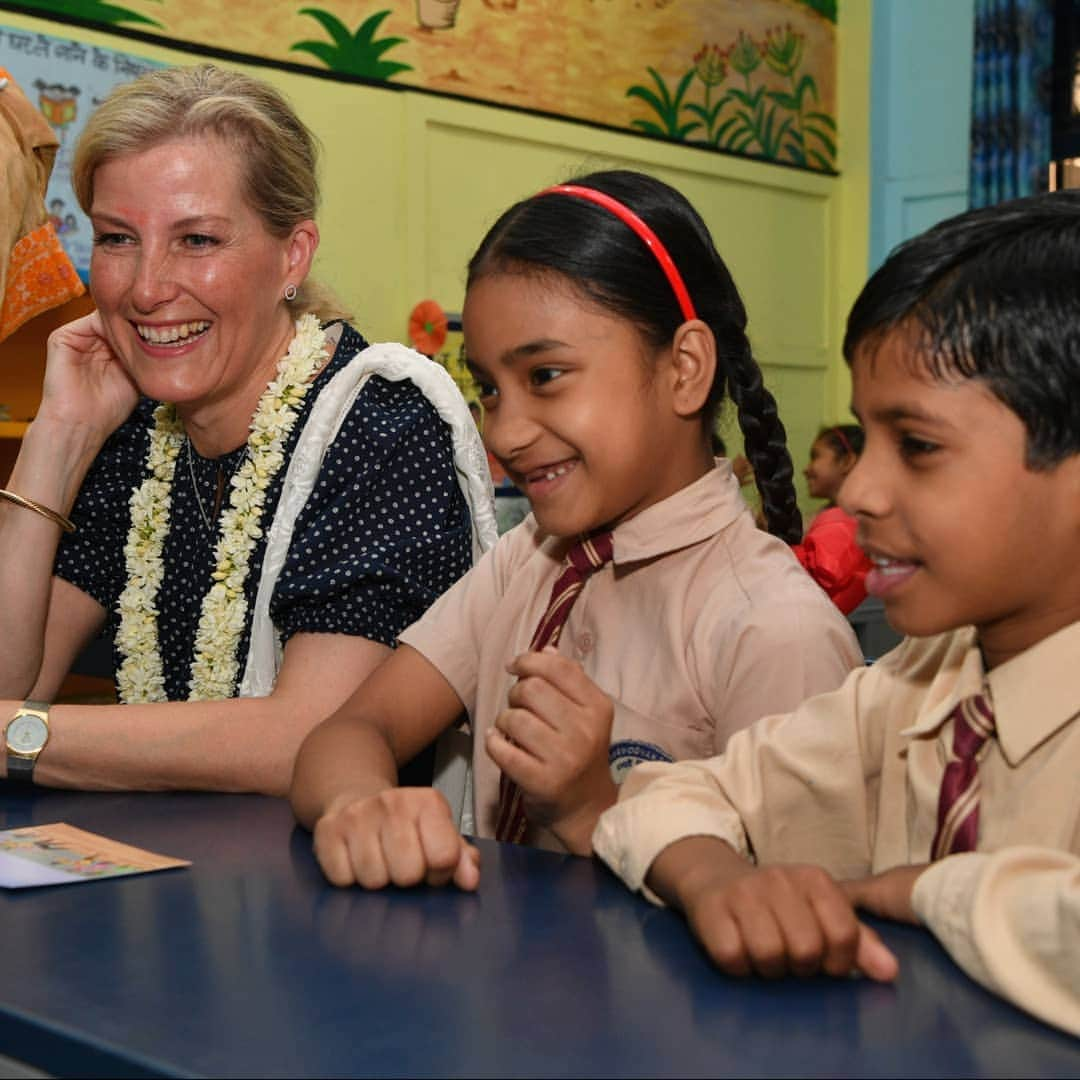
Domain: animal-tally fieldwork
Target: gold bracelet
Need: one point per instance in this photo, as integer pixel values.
(44, 511)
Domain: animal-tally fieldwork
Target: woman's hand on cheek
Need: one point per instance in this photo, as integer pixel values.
(85, 383)
(553, 743)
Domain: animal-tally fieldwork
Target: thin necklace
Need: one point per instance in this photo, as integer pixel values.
(210, 523)
(195, 487)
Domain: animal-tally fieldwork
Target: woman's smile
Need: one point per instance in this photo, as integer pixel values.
(171, 334)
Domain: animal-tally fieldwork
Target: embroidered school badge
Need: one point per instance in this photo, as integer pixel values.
(624, 755)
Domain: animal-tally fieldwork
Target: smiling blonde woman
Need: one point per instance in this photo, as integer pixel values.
(223, 477)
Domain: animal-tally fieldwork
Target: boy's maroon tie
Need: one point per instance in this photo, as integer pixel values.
(583, 559)
(958, 804)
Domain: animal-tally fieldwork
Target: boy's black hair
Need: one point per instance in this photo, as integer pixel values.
(843, 439)
(605, 260)
(992, 294)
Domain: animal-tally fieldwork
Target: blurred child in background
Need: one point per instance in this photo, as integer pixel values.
(829, 551)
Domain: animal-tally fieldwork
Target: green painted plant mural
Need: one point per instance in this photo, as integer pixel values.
(667, 106)
(94, 10)
(710, 66)
(758, 114)
(825, 8)
(353, 54)
(813, 134)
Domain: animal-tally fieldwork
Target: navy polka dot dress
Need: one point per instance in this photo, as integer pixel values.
(385, 531)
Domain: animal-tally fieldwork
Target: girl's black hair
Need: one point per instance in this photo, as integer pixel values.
(607, 262)
(844, 439)
(991, 295)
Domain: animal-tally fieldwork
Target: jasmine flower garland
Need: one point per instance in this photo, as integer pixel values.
(214, 669)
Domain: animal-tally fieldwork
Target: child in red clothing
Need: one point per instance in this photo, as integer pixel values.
(829, 551)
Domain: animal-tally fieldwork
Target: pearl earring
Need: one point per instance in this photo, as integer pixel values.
(290, 292)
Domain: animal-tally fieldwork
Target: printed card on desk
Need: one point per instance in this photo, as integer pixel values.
(60, 854)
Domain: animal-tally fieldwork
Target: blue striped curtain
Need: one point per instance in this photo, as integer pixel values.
(1011, 99)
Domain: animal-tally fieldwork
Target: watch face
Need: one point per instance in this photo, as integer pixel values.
(27, 734)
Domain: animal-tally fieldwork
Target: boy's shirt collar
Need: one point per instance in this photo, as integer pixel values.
(1034, 694)
(692, 514)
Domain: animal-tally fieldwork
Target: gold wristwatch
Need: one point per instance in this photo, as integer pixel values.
(26, 734)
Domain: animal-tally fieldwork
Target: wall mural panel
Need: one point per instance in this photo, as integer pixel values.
(66, 80)
(751, 77)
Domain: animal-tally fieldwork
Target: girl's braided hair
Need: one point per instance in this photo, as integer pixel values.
(591, 247)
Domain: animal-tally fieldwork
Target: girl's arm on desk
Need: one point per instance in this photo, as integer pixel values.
(367, 830)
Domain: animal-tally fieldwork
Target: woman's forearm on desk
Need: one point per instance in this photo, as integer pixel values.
(240, 744)
(51, 466)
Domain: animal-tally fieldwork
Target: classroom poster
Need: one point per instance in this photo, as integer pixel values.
(66, 79)
(750, 77)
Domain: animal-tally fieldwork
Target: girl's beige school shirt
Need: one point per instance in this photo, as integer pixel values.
(700, 625)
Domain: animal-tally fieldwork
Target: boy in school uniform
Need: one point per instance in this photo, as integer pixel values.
(941, 785)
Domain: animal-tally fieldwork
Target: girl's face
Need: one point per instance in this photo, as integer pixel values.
(826, 471)
(576, 408)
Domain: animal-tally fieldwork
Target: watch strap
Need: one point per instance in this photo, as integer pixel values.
(21, 769)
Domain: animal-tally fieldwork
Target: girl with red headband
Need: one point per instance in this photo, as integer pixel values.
(637, 614)
(829, 551)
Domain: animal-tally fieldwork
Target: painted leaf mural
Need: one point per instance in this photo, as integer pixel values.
(93, 11)
(757, 114)
(752, 78)
(353, 54)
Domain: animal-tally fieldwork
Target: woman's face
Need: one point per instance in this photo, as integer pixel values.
(188, 280)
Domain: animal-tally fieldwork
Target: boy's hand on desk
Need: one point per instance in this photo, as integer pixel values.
(887, 894)
(401, 836)
(770, 921)
(553, 743)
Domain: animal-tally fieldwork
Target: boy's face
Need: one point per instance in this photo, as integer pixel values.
(959, 529)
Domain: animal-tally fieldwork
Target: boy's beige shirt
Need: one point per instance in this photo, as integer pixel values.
(850, 781)
(700, 625)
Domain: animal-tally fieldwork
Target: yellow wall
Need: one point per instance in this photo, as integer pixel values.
(412, 181)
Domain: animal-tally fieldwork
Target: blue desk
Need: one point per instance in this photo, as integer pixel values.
(249, 964)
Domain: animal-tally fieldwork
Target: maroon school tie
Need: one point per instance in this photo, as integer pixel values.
(583, 559)
(958, 804)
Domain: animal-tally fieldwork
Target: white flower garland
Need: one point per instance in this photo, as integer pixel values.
(214, 669)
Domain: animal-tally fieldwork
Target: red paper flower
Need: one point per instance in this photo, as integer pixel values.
(427, 327)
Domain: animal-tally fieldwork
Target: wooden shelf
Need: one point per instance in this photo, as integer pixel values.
(12, 429)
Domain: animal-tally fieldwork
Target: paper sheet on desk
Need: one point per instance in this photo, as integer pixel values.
(60, 854)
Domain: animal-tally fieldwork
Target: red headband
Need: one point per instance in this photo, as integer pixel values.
(844, 440)
(652, 241)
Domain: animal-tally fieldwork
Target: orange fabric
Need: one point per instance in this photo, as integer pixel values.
(35, 272)
(40, 276)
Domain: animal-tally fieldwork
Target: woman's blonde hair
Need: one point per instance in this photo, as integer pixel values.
(277, 152)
